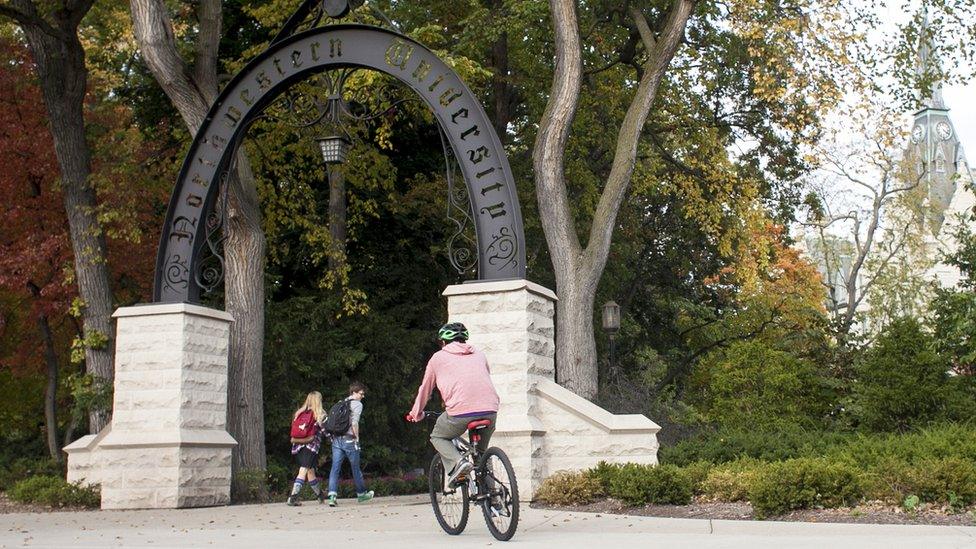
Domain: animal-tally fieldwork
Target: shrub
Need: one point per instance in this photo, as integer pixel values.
(603, 473)
(731, 444)
(732, 481)
(642, 484)
(902, 381)
(804, 483)
(697, 473)
(570, 488)
(950, 480)
(24, 468)
(55, 491)
(751, 383)
(251, 486)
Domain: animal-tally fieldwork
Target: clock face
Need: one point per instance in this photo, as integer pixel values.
(918, 132)
(944, 130)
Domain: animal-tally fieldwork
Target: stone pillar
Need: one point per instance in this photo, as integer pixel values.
(542, 426)
(167, 445)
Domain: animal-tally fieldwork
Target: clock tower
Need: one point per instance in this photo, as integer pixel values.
(938, 154)
(941, 165)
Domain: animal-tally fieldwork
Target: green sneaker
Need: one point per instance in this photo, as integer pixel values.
(332, 500)
(365, 496)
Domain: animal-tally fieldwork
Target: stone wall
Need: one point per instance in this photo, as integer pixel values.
(167, 445)
(542, 427)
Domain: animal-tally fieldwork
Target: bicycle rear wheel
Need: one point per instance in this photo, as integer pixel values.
(501, 507)
(450, 505)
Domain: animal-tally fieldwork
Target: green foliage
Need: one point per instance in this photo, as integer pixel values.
(727, 445)
(20, 469)
(698, 473)
(950, 480)
(603, 473)
(910, 504)
(954, 309)
(90, 394)
(570, 488)
(751, 383)
(251, 486)
(903, 382)
(732, 481)
(641, 484)
(55, 491)
(804, 483)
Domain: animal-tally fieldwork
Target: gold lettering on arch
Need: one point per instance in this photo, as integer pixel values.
(398, 54)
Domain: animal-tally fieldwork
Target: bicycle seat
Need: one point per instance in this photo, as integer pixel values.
(478, 424)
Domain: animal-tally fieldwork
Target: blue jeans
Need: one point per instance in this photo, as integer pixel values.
(344, 448)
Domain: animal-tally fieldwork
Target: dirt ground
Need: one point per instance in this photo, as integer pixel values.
(869, 513)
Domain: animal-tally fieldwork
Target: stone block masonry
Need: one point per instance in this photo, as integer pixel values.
(542, 426)
(167, 445)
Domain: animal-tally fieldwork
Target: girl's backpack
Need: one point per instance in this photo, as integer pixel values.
(303, 426)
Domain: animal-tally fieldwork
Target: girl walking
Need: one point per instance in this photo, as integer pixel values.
(306, 438)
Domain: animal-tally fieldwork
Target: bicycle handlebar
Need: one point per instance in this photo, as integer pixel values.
(427, 414)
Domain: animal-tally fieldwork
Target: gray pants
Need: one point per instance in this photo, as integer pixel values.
(448, 428)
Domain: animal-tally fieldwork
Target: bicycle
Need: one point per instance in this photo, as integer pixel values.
(490, 484)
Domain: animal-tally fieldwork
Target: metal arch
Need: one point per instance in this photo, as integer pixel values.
(491, 189)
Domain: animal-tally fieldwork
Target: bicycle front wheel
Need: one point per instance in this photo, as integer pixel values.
(501, 507)
(450, 504)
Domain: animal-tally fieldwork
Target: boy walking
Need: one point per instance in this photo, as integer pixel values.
(345, 445)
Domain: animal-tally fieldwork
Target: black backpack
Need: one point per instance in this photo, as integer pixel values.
(338, 422)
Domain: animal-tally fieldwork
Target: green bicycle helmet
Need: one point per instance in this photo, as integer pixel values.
(454, 331)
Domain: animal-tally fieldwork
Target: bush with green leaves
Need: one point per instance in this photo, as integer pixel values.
(570, 488)
(732, 481)
(641, 484)
(804, 483)
(950, 480)
(752, 383)
(902, 381)
(55, 491)
(24, 468)
(727, 445)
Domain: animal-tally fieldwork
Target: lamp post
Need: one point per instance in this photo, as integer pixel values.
(611, 323)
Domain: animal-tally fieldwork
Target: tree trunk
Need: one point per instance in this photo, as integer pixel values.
(60, 60)
(192, 92)
(337, 217)
(244, 300)
(501, 88)
(576, 357)
(578, 270)
(51, 391)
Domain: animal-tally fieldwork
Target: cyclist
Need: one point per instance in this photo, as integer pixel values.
(461, 375)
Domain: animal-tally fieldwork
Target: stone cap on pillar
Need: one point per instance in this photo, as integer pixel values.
(495, 286)
(149, 309)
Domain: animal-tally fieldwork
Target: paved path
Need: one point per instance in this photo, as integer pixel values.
(407, 522)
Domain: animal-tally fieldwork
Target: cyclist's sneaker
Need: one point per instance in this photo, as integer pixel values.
(293, 500)
(460, 470)
(332, 500)
(365, 496)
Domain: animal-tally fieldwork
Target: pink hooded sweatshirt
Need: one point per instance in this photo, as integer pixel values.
(461, 375)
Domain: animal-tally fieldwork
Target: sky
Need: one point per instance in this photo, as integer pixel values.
(961, 101)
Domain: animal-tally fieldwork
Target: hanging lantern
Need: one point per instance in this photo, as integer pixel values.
(611, 317)
(334, 148)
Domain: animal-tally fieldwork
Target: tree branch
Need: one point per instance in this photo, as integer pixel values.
(24, 13)
(547, 156)
(208, 41)
(663, 50)
(153, 28)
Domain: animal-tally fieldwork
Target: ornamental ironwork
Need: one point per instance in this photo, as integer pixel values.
(296, 55)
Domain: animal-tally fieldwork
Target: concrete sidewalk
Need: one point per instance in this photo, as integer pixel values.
(405, 522)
